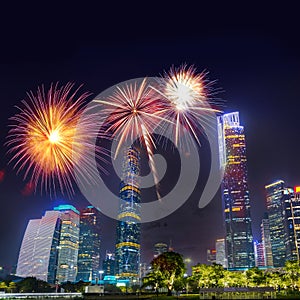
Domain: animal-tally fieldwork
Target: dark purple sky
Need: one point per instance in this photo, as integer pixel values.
(252, 51)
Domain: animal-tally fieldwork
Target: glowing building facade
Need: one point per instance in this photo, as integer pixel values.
(221, 253)
(68, 243)
(259, 254)
(266, 241)
(108, 264)
(127, 251)
(278, 203)
(160, 248)
(295, 208)
(89, 244)
(235, 193)
(39, 249)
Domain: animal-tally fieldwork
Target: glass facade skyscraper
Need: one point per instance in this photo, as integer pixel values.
(295, 209)
(68, 243)
(108, 264)
(235, 193)
(221, 253)
(127, 252)
(266, 241)
(39, 250)
(278, 206)
(89, 244)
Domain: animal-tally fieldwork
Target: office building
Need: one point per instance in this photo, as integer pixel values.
(39, 249)
(68, 243)
(266, 241)
(160, 248)
(211, 256)
(221, 253)
(259, 254)
(108, 265)
(235, 192)
(89, 244)
(278, 199)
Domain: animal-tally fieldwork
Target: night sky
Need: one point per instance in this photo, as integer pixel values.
(253, 53)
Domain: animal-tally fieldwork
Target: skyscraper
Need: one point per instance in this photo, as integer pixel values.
(89, 244)
(68, 243)
(235, 193)
(259, 254)
(277, 198)
(38, 252)
(266, 241)
(108, 265)
(221, 253)
(160, 248)
(295, 208)
(127, 252)
(211, 256)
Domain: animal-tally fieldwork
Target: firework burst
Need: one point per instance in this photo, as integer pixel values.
(184, 94)
(43, 137)
(131, 113)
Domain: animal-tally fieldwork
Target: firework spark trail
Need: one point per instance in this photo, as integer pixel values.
(132, 113)
(185, 95)
(43, 137)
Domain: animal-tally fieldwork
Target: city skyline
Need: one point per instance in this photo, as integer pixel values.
(256, 64)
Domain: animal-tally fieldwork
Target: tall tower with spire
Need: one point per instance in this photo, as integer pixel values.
(235, 193)
(127, 249)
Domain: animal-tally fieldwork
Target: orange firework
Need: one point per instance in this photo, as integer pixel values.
(44, 134)
(185, 94)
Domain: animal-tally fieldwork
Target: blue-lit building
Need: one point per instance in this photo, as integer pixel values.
(108, 264)
(235, 193)
(284, 216)
(89, 244)
(127, 249)
(68, 243)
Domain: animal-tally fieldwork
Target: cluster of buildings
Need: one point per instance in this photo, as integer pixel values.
(64, 245)
(280, 225)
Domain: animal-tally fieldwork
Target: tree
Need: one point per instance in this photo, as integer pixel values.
(3, 286)
(255, 277)
(155, 279)
(12, 287)
(33, 285)
(274, 280)
(208, 275)
(292, 274)
(171, 266)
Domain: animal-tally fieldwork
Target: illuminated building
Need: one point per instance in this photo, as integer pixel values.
(127, 252)
(211, 256)
(221, 253)
(279, 201)
(38, 252)
(266, 241)
(296, 219)
(68, 243)
(259, 254)
(235, 193)
(108, 264)
(89, 244)
(160, 248)
(289, 210)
